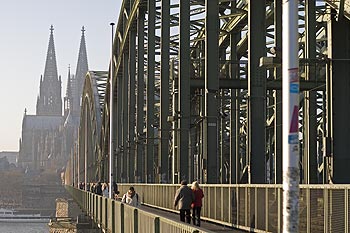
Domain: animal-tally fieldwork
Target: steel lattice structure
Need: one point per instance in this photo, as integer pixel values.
(198, 93)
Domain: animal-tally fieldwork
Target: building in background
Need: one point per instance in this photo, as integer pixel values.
(48, 136)
(11, 156)
(72, 100)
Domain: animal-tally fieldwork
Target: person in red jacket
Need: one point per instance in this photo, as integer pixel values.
(197, 204)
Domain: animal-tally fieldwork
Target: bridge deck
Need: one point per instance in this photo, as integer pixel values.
(205, 225)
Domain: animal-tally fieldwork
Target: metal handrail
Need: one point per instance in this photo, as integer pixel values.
(114, 216)
(258, 207)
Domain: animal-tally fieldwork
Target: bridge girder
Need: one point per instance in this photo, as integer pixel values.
(203, 87)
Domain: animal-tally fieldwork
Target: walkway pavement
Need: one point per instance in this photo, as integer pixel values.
(205, 225)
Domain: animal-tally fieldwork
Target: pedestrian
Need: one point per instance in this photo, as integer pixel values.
(98, 188)
(92, 189)
(131, 197)
(116, 195)
(197, 204)
(105, 190)
(184, 197)
(115, 190)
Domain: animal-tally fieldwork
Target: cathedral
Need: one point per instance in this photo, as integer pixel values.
(49, 135)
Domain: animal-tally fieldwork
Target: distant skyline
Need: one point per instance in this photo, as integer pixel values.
(23, 46)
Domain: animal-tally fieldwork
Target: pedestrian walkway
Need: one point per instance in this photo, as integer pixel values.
(205, 225)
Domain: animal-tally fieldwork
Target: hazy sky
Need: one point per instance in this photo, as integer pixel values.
(24, 37)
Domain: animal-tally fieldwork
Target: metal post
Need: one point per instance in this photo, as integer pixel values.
(278, 96)
(175, 161)
(139, 174)
(290, 97)
(310, 122)
(234, 110)
(338, 137)
(85, 147)
(72, 167)
(221, 128)
(119, 127)
(256, 93)
(150, 91)
(111, 121)
(210, 130)
(130, 144)
(132, 101)
(163, 154)
(327, 151)
(78, 160)
(124, 128)
(184, 89)
(73, 164)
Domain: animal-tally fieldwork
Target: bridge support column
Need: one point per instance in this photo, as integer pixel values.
(256, 92)
(309, 113)
(163, 150)
(125, 118)
(184, 90)
(235, 107)
(140, 158)
(150, 92)
(339, 41)
(119, 126)
(175, 160)
(210, 127)
(278, 96)
(130, 145)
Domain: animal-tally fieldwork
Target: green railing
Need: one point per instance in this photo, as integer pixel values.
(322, 208)
(114, 216)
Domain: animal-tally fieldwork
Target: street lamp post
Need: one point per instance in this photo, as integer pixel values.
(111, 121)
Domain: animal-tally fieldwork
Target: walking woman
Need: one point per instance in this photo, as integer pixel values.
(197, 204)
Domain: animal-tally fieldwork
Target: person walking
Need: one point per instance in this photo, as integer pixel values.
(197, 204)
(105, 190)
(131, 197)
(115, 190)
(98, 188)
(183, 199)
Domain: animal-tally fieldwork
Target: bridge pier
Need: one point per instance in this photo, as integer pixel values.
(70, 219)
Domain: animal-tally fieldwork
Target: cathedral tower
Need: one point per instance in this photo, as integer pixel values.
(68, 99)
(80, 73)
(49, 102)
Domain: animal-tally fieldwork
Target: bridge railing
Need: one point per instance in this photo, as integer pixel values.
(322, 208)
(114, 216)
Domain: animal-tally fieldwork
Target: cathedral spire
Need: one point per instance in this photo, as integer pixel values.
(50, 101)
(82, 66)
(69, 88)
(80, 73)
(68, 98)
(51, 64)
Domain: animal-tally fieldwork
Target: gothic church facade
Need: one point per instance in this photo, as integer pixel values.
(47, 137)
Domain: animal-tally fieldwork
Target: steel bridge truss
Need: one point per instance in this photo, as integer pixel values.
(198, 88)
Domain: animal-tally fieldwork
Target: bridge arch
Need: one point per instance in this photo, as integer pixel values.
(165, 108)
(90, 157)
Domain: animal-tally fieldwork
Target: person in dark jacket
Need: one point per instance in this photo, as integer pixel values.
(183, 199)
(115, 190)
(197, 204)
(98, 188)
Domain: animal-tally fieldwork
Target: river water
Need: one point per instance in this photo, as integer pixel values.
(6, 227)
